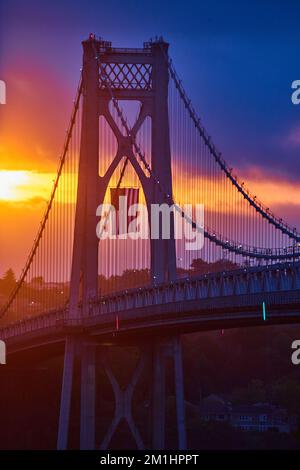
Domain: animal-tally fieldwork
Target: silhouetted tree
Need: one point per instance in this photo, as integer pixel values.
(38, 280)
(199, 266)
(8, 281)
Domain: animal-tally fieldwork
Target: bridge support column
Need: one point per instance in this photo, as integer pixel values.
(158, 396)
(123, 403)
(66, 394)
(161, 350)
(87, 399)
(179, 393)
(163, 251)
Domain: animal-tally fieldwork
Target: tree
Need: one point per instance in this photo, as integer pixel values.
(254, 393)
(38, 280)
(199, 266)
(8, 281)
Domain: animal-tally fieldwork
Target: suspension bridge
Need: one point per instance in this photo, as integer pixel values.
(133, 128)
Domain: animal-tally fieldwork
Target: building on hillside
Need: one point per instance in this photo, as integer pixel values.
(259, 417)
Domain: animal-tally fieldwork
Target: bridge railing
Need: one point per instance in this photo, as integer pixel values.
(239, 283)
(32, 324)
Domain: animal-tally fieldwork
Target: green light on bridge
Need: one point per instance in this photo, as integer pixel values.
(264, 311)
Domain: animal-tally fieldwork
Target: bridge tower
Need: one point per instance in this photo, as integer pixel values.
(120, 74)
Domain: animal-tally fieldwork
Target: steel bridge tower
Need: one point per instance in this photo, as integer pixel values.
(120, 74)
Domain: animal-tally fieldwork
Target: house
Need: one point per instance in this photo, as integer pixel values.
(262, 417)
(259, 417)
(214, 408)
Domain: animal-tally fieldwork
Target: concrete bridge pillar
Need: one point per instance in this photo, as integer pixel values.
(123, 402)
(154, 354)
(158, 399)
(163, 251)
(179, 393)
(161, 351)
(86, 351)
(66, 394)
(88, 396)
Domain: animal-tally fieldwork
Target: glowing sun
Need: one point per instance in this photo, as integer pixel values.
(11, 182)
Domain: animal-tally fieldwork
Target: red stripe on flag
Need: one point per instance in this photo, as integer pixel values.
(132, 195)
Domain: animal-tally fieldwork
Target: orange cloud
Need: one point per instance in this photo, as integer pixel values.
(33, 122)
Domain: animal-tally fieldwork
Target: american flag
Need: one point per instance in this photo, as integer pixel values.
(132, 195)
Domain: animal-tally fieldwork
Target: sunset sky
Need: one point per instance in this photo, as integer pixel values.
(237, 62)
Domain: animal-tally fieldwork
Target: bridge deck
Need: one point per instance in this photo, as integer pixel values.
(221, 300)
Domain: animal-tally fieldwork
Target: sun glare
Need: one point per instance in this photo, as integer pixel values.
(11, 183)
(22, 185)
